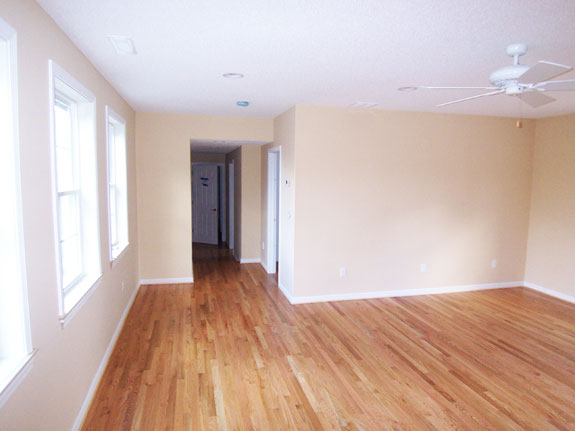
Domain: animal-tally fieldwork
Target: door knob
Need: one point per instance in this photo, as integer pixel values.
(214, 209)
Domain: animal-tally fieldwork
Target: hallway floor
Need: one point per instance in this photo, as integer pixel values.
(230, 353)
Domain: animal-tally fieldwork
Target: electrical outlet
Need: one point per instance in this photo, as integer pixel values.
(494, 263)
(342, 271)
(423, 267)
(263, 245)
(123, 286)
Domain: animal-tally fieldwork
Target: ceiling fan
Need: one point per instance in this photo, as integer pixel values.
(528, 83)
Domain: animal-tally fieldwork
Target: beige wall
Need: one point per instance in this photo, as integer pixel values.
(251, 202)
(247, 201)
(164, 183)
(551, 245)
(381, 192)
(50, 396)
(208, 157)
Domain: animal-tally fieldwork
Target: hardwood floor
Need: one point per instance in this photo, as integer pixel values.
(230, 353)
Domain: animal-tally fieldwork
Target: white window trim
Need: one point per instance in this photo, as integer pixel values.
(21, 370)
(114, 116)
(57, 72)
(22, 365)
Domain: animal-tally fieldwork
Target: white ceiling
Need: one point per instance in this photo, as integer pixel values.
(218, 146)
(321, 52)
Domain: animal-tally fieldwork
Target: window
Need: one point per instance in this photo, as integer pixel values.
(15, 345)
(75, 189)
(117, 184)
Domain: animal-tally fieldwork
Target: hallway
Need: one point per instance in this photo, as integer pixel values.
(230, 353)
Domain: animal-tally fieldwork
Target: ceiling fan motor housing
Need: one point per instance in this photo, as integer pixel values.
(506, 75)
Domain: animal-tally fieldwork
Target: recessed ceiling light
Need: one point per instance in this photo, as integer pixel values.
(124, 45)
(242, 103)
(407, 88)
(233, 75)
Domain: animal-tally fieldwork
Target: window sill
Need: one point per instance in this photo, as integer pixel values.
(78, 295)
(122, 249)
(12, 373)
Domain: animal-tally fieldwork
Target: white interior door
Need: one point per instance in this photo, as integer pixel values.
(205, 203)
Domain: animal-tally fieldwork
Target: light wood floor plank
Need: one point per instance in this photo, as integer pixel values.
(230, 353)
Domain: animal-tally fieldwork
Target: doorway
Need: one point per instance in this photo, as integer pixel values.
(208, 203)
(273, 210)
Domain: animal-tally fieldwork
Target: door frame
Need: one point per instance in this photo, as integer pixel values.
(231, 203)
(274, 164)
(220, 185)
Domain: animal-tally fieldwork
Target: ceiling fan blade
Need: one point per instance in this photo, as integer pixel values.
(568, 85)
(543, 71)
(535, 99)
(472, 97)
(459, 88)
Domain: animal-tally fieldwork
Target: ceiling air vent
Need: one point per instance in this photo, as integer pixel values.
(123, 45)
(364, 105)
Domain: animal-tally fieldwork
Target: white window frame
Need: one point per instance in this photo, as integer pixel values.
(16, 352)
(121, 221)
(75, 191)
(65, 87)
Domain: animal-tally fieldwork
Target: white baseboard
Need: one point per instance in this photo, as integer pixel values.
(398, 293)
(266, 268)
(178, 280)
(251, 260)
(103, 363)
(549, 292)
(270, 269)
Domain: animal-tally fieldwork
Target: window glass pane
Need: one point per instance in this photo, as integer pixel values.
(63, 124)
(64, 146)
(117, 185)
(68, 215)
(113, 215)
(71, 263)
(65, 163)
(111, 153)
